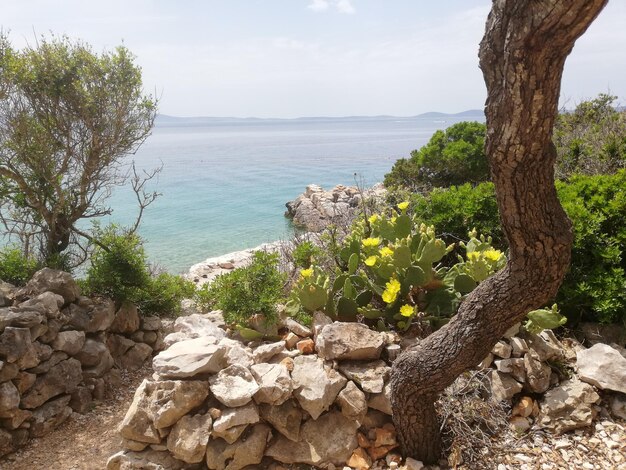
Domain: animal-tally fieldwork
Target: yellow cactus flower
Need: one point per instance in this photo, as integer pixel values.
(407, 311)
(306, 273)
(492, 255)
(371, 242)
(393, 219)
(403, 205)
(473, 255)
(386, 251)
(373, 219)
(371, 261)
(391, 292)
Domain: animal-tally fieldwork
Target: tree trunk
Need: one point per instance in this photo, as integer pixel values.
(522, 56)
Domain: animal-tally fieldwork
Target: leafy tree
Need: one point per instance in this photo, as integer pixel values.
(68, 119)
(453, 156)
(524, 48)
(591, 139)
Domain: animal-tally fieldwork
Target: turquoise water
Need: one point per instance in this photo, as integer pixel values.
(225, 183)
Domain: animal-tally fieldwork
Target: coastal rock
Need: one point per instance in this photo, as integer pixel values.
(370, 376)
(285, 418)
(503, 386)
(90, 315)
(349, 341)
(315, 386)
(232, 417)
(49, 416)
(69, 342)
(602, 366)
(189, 437)
(146, 460)
(9, 399)
(317, 445)
(233, 386)
(236, 353)
(61, 378)
(568, 406)
(274, 382)
(189, 358)
(265, 352)
(52, 280)
(352, 402)
(247, 451)
(126, 319)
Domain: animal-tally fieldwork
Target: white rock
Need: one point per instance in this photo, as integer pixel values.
(233, 386)
(412, 464)
(191, 357)
(537, 374)
(381, 401)
(197, 325)
(236, 353)
(189, 437)
(297, 328)
(503, 386)
(231, 417)
(501, 349)
(265, 352)
(371, 376)
(602, 366)
(514, 366)
(315, 386)
(275, 385)
(352, 402)
(349, 341)
(568, 406)
(249, 451)
(519, 346)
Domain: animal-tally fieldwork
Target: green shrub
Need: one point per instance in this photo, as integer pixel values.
(163, 295)
(15, 268)
(247, 291)
(120, 270)
(305, 253)
(454, 156)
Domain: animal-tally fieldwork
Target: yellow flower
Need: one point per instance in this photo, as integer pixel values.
(371, 242)
(492, 255)
(371, 261)
(306, 273)
(386, 251)
(391, 292)
(473, 255)
(373, 219)
(406, 311)
(403, 205)
(393, 219)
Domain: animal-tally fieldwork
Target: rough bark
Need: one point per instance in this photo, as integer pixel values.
(522, 56)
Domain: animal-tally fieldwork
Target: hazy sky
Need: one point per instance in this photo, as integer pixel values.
(288, 58)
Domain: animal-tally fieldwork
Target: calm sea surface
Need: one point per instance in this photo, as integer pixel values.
(225, 184)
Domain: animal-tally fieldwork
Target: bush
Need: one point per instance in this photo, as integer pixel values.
(163, 295)
(454, 156)
(247, 291)
(594, 288)
(15, 267)
(304, 254)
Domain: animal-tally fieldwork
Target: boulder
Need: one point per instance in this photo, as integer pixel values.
(247, 451)
(151, 324)
(9, 399)
(24, 380)
(352, 402)
(349, 341)
(16, 346)
(134, 358)
(233, 386)
(315, 386)
(232, 417)
(126, 320)
(330, 439)
(48, 303)
(285, 418)
(105, 365)
(545, 345)
(265, 352)
(55, 281)
(197, 325)
(20, 317)
(47, 417)
(61, 378)
(230, 435)
(45, 366)
(515, 367)
(189, 437)
(158, 405)
(537, 373)
(81, 400)
(568, 406)
(91, 352)
(70, 342)
(90, 315)
(145, 460)
(371, 376)
(275, 385)
(189, 358)
(237, 353)
(501, 349)
(602, 366)
(503, 386)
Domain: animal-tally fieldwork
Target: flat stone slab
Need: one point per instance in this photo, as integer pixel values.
(189, 358)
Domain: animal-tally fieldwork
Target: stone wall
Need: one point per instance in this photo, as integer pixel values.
(319, 396)
(57, 351)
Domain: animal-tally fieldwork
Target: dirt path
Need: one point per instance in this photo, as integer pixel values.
(83, 442)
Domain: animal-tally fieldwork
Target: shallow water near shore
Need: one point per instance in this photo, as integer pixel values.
(225, 183)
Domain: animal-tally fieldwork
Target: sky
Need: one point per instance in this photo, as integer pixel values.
(292, 58)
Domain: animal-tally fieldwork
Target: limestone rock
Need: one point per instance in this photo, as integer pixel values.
(503, 386)
(49, 303)
(285, 418)
(231, 434)
(352, 402)
(81, 400)
(568, 406)
(602, 366)
(134, 358)
(9, 399)
(158, 405)
(126, 319)
(297, 328)
(246, 451)
(23, 381)
(49, 416)
(236, 353)
(62, 378)
(90, 315)
(545, 345)
(315, 386)
(318, 444)
(20, 317)
(8, 371)
(231, 417)
(146, 460)
(45, 366)
(189, 437)
(196, 326)
(349, 341)
(52, 280)
(265, 352)
(91, 352)
(537, 374)
(233, 386)
(381, 401)
(514, 366)
(189, 358)
(370, 376)
(105, 365)
(519, 347)
(275, 384)
(16, 346)
(151, 324)
(69, 342)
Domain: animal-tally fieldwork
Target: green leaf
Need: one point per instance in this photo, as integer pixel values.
(353, 263)
(415, 276)
(348, 289)
(347, 309)
(402, 257)
(364, 298)
(403, 226)
(464, 283)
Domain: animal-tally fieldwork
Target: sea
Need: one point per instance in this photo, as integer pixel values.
(225, 182)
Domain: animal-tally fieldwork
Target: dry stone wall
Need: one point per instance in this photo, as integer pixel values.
(319, 397)
(57, 351)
